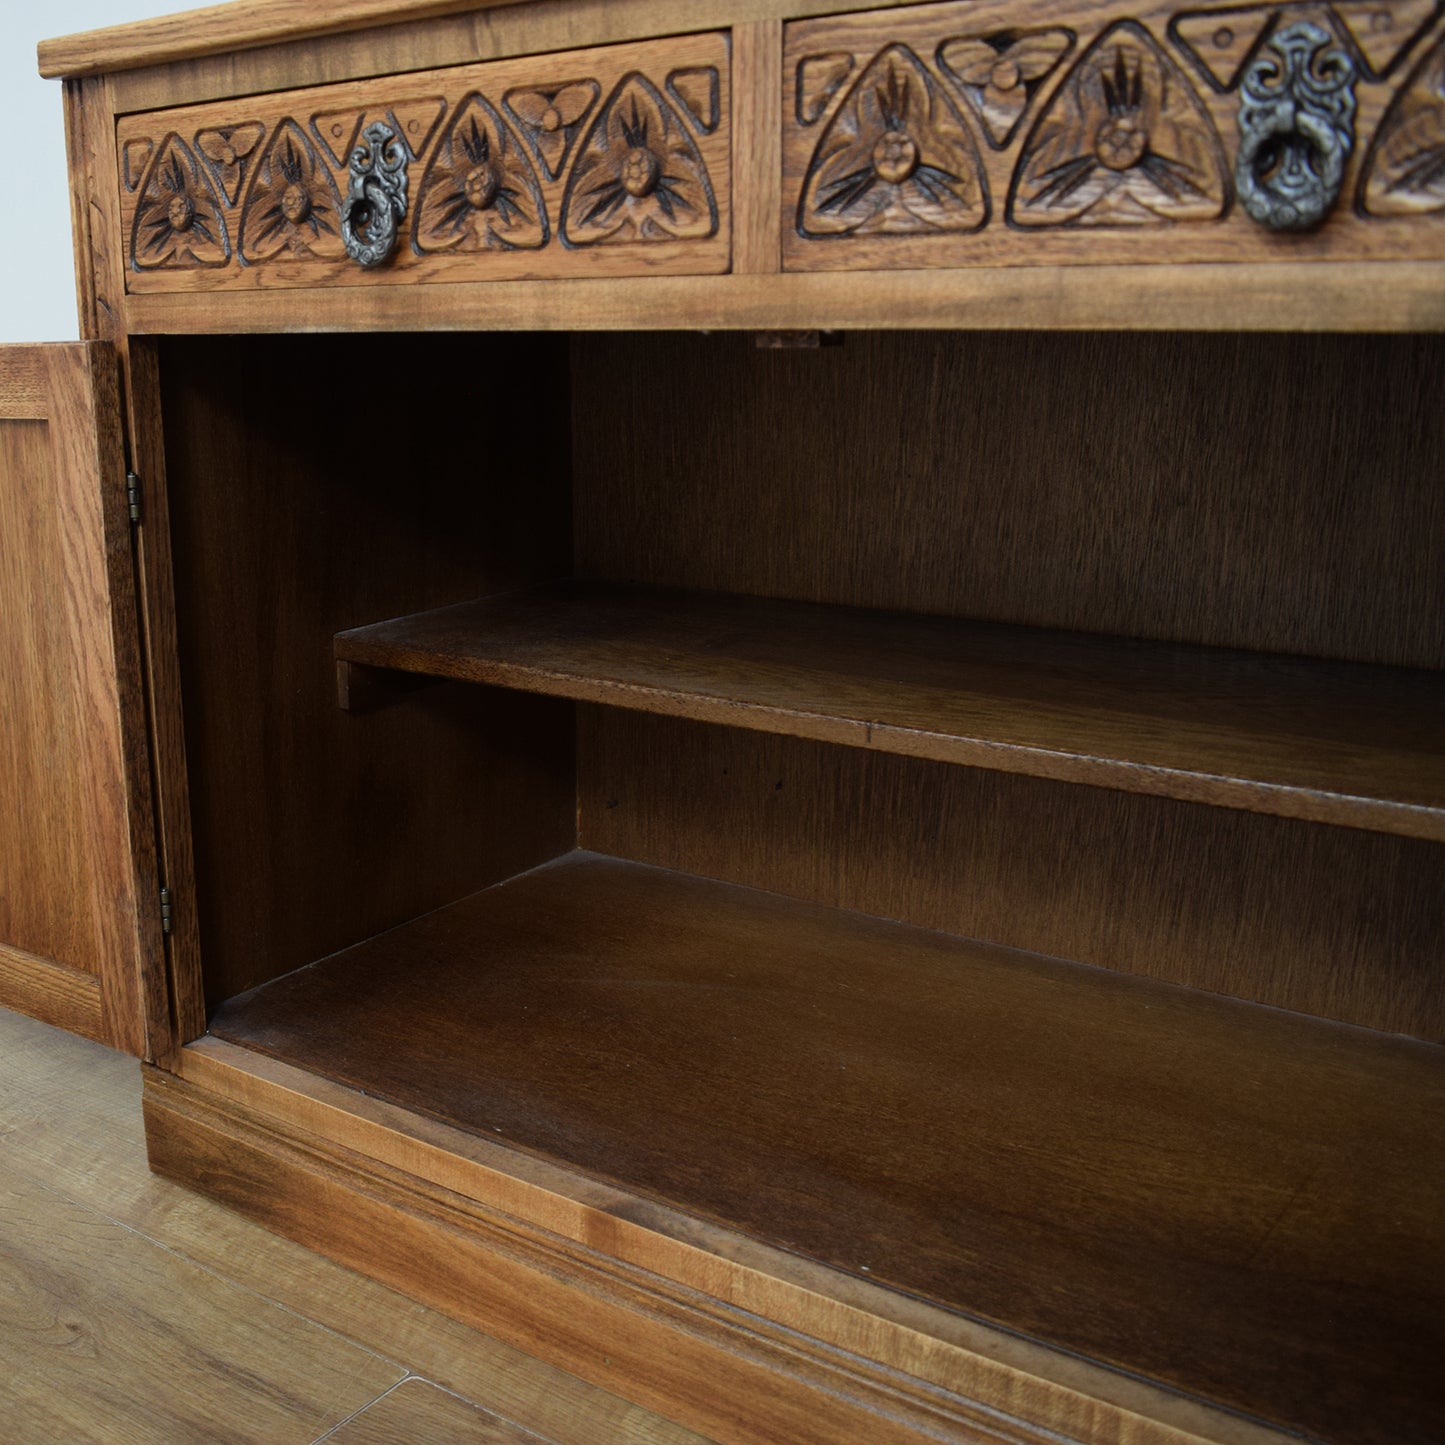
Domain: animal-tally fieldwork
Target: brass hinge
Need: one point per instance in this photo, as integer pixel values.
(132, 495)
(165, 910)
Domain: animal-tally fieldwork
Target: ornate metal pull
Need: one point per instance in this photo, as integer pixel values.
(375, 204)
(1296, 129)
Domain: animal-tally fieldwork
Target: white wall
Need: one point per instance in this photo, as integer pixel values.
(37, 272)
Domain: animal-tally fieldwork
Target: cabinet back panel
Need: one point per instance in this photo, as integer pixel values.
(318, 483)
(1271, 492)
(1326, 921)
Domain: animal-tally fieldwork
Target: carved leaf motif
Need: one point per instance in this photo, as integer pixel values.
(1124, 141)
(551, 119)
(1384, 30)
(134, 156)
(1405, 170)
(697, 91)
(998, 75)
(638, 175)
(480, 192)
(227, 151)
(820, 78)
(1222, 42)
(178, 220)
(895, 159)
(292, 204)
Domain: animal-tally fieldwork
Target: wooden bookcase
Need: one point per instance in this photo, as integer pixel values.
(879, 891)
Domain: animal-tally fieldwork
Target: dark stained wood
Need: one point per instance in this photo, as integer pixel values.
(315, 484)
(1330, 742)
(1238, 1202)
(1273, 493)
(1327, 921)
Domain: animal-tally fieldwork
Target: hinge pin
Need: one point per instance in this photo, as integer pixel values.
(132, 495)
(165, 910)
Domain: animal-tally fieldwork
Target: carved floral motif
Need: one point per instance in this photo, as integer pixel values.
(293, 204)
(228, 152)
(638, 175)
(480, 191)
(998, 75)
(1405, 171)
(1123, 141)
(178, 218)
(896, 158)
(551, 119)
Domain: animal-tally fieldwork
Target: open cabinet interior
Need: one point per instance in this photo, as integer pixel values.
(963, 809)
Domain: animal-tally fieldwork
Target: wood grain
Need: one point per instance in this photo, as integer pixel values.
(1186, 122)
(51, 991)
(1326, 297)
(107, 1336)
(312, 829)
(1276, 494)
(421, 1414)
(671, 1034)
(223, 28)
(74, 854)
(1328, 742)
(757, 51)
(240, 238)
(1325, 921)
(72, 1126)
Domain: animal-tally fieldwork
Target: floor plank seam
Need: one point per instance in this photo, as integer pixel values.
(341, 1424)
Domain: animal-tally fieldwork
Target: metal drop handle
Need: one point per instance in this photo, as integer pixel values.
(1296, 129)
(375, 204)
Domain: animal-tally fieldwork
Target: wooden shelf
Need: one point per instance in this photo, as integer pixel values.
(1330, 742)
(1245, 1205)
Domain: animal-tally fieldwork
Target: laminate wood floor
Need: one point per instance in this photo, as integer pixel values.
(132, 1310)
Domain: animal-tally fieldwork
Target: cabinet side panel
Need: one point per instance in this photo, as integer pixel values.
(1326, 921)
(1275, 493)
(317, 484)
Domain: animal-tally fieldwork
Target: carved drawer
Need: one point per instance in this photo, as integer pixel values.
(613, 161)
(996, 133)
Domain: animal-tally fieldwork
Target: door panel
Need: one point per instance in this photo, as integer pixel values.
(75, 835)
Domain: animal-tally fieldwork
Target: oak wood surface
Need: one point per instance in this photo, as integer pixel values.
(1329, 742)
(75, 855)
(1333, 922)
(757, 128)
(1189, 139)
(70, 1116)
(45, 988)
(777, 1066)
(311, 829)
(1271, 493)
(535, 225)
(421, 1414)
(1405, 296)
(844, 1322)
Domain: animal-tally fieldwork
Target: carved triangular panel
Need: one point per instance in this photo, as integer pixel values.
(551, 119)
(228, 151)
(134, 155)
(896, 159)
(480, 192)
(819, 79)
(1124, 141)
(415, 121)
(178, 222)
(697, 91)
(638, 176)
(1222, 41)
(337, 130)
(1385, 29)
(998, 75)
(292, 203)
(1405, 170)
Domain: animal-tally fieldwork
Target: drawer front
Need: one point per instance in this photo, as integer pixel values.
(1050, 131)
(610, 162)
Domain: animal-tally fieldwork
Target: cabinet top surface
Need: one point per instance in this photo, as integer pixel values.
(238, 25)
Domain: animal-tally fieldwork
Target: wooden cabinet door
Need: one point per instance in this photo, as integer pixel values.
(78, 904)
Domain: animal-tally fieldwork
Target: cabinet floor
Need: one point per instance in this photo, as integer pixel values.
(134, 1310)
